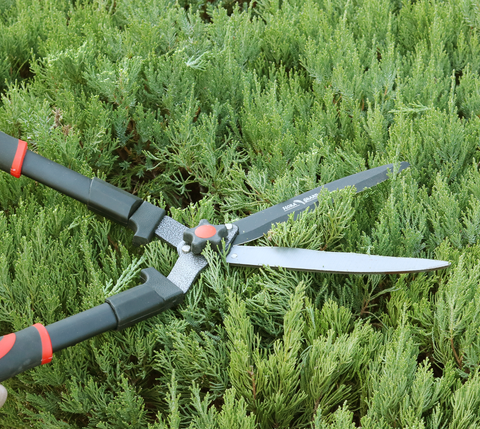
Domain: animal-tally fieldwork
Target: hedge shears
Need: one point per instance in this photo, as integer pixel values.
(36, 344)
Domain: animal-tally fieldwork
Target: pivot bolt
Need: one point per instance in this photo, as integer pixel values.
(204, 233)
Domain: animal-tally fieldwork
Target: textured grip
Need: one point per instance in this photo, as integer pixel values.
(26, 349)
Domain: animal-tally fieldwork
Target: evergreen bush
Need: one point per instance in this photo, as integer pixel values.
(218, 109)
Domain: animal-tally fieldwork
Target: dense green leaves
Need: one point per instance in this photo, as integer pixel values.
(218, 109)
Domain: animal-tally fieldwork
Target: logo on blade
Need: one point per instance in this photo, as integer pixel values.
(298, 203)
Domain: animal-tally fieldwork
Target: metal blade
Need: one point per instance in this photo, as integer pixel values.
(254, 226)
(328, 262)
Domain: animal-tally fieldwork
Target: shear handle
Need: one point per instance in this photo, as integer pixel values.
(35, 345)
(100, 197)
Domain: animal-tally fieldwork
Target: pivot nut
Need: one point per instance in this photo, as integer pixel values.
(204, 233)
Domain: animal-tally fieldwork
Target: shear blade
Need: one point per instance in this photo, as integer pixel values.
(328, 262)
(257, 224)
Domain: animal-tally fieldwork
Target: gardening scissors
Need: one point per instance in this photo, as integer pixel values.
(36, 344)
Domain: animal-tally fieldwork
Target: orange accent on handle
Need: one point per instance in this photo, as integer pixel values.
(16, 169)
(47, 352)
(6, 344)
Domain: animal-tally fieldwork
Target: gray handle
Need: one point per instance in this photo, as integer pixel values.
(36, 344)
(100, 197)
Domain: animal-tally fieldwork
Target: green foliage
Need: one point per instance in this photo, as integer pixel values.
(269, 384)
(219, 109)
(401, 391)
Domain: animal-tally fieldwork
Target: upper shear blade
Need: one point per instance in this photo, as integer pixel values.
(257, 224)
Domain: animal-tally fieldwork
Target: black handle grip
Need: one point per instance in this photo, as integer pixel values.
(35, 345)
(155, 295)
(100, 197)
(21, 351)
